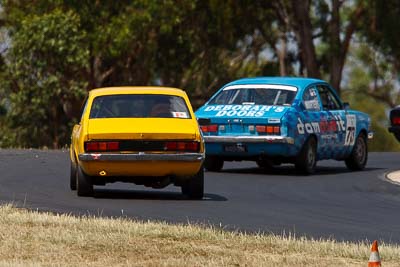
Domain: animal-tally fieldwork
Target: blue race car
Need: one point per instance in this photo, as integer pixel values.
(274, 120)
(395, 122)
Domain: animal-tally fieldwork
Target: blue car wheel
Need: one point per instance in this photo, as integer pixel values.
(267, 163)
(307, 158)
(359, 155)
(213, 163)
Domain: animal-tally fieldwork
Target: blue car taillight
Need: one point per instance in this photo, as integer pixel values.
(268, 129)
(213, 128)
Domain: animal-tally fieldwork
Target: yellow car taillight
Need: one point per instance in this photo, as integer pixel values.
(182, 146)
(95, 146)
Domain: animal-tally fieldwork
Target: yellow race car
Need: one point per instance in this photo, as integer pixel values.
(142, 135)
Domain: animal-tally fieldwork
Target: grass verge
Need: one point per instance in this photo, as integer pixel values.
(29, 238)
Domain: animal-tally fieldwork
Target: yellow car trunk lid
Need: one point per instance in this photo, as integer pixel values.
(140, 128)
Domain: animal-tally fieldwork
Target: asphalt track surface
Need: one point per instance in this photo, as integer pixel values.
(334, 203)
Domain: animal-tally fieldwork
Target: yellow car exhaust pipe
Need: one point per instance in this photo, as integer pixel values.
(103, 173)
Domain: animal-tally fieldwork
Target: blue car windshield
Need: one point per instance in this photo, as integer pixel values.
(139, 106)
(235, 95)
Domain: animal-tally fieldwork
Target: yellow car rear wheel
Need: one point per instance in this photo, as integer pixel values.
(194, 187)
(84, 185)
(72, 179)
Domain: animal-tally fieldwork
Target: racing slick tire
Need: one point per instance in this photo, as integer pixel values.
(84, 185)
(193, 188)
(213, 163)
(72, 179)
(359, 155)
(306, 160)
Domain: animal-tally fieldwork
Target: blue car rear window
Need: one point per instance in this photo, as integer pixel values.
(256, 96)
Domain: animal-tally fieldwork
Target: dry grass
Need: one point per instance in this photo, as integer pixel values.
(42, 239)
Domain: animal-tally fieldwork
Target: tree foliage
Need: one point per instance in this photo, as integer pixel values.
(382, 54)
(46, 62)
(366, 68)
(60, 49)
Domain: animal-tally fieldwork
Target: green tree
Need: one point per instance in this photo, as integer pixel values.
(60, 49)
(323, 30)
(46, 62)
(382, 57)
(369, 70)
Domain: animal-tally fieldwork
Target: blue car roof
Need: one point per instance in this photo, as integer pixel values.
(299, 82)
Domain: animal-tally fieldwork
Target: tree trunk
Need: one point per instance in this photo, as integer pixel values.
(336, 57)
(339, 49)
(281, 51)
(303, 29)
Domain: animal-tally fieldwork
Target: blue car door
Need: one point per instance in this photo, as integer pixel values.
(319, 122)
(342, 124)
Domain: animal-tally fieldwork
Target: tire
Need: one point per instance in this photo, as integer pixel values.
(264, 164)
(397, 135)
(267, 163)
(213, 163)
(72, 178)
(84, 185)
(193, 188)
(306, 160)
(359, 155)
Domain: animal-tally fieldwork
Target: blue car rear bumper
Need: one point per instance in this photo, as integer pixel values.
(249, 146)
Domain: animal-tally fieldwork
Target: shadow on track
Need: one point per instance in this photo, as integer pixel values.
(149, 195)
(289, 170)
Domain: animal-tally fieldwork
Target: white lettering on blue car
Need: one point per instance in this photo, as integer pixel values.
(325, 126)
(243, 110)
(309, 127)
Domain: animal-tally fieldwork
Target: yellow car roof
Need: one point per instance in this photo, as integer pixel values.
(137, 90)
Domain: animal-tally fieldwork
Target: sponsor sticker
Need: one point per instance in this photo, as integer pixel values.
(96, 156)
(312, 104)
(176, 114)
(274, 120)
(350, 130)
(325, 126)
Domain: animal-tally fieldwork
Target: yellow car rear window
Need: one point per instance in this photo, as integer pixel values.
(139, 106)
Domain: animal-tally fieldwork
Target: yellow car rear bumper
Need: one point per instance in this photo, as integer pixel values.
(141, 164)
